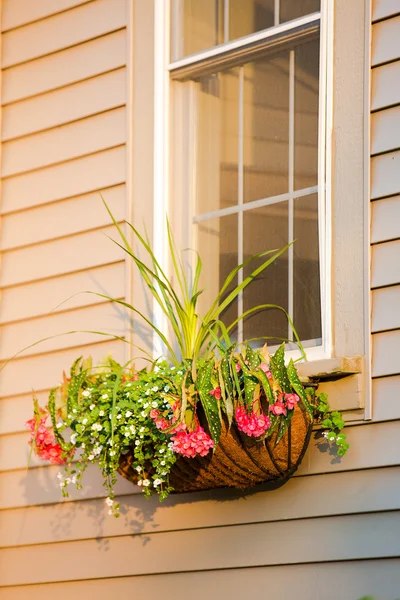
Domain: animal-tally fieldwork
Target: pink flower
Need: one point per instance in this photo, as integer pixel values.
(238, 368)
(163, 424)
(265, 368)
(278, 408)
(250, 423)
(291, 400)
(191, 444)
(45, 443)
(216, 392)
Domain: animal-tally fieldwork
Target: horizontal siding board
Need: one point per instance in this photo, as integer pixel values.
(64, 68)
(350, 537)
(79, 176)
(107, 317)
(351, 580)
(385, 354)
(45, 296)
(381, 9)
(51, 221)
(15, 13)
(385, 130)
(64, 105)
(65, 255)
(63, 143)
(385, 175)
(386, 41)
(373, 445)
(15, 451)
(63, 30)
(298, 499)
(385, 264)
(385, 219)
(386, 309)
(45, 371)
(386, 398)
(385, 87)
(15, 411)
(40, 486)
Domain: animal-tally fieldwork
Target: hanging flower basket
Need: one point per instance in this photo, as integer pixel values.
(211, 414)
(239, 461)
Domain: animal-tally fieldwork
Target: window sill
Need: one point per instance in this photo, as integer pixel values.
(342, 379)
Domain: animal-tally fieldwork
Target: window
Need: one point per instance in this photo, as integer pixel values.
(248, 140)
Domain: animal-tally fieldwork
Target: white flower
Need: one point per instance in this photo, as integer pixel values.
(104, 396)
(86, 393)
(62, 483)
(161, 451)
(91, 457)
(113, 453)
(162, 463)
(138, 469)
(126, 434)
(128, 414)
(156, 369)
(164, 474)
(140, 482)
(170, 445)
(157, 482)
(67, 481)
(147, 392)
(109, 501)
(325, 434)
(166, 389)
(96, 427)
(141, 430)
(101, 413)
(73, 438)
(172, 368)
(92, 406)
(143, 413)
(82, 445)
(137, 443)
(73, 479)
(110, 512)
(128, 385)
(119, 416)
(154, 404)
(84, 421)
(59, 425)
(69, 416)
(74, 410)
(155, 389)
(145, 405)
(132, 429)
(146, 482)
(59, 475)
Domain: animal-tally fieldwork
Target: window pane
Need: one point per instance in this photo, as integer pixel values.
(217, 245)
(306, 115)
(196, 26)
(266, 229)
(293, 9)
(217, 142)
(307, 297)
(249, 16)
(266, 127)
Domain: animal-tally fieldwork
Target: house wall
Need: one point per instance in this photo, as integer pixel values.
(332, 531)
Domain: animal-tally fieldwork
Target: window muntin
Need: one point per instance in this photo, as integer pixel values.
(252, 135)
(199, 25)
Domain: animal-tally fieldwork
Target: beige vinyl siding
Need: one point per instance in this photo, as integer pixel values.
(333, 530)
(64, 131)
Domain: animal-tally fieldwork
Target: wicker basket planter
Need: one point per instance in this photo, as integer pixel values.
(239, 461)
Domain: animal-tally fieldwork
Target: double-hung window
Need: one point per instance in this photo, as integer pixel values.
(248, 142)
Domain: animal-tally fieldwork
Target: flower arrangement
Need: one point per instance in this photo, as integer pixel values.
(172, 424)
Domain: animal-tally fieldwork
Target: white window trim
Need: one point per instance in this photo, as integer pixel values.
(347, 182)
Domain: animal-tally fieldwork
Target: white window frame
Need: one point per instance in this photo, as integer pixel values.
(162, 96)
